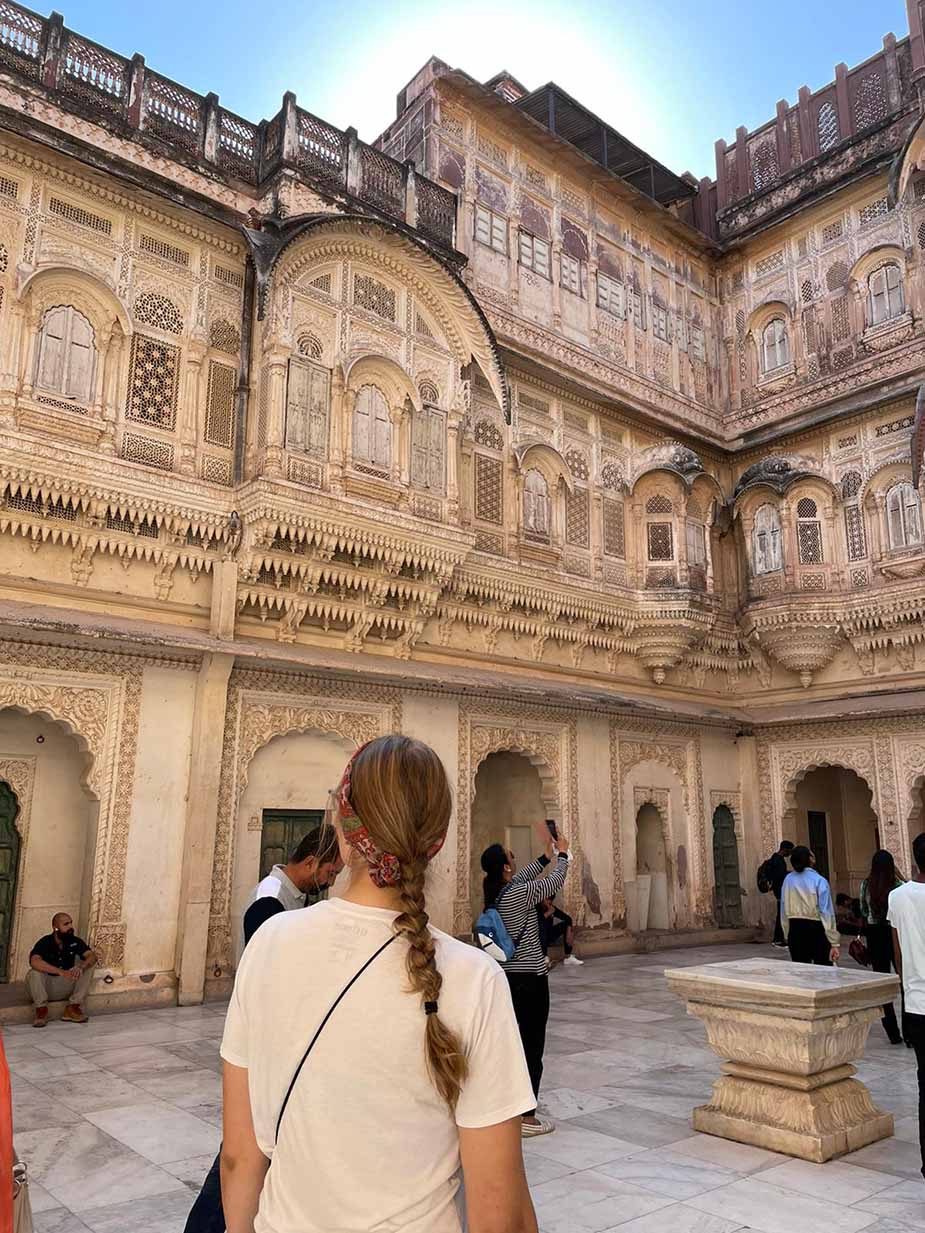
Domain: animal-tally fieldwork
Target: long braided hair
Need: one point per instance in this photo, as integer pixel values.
(399, 788)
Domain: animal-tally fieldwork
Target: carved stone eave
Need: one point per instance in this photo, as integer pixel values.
(663, 640)
(669, 456)
(778, 472)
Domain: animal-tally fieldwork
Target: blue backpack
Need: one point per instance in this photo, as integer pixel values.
(492, 937)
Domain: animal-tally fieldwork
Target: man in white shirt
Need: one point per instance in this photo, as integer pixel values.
(906, 913)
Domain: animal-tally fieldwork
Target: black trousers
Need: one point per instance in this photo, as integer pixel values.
(207, 1214)
(808, 943)
(778, 928)
(879, 940)
(530, 995)
(915, 1031)
(555, 927)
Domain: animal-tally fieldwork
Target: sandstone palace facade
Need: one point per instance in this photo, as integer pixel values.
(604, 481)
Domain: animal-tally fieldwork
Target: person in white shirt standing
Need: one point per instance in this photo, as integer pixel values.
(906, 914)
(806, 914)
(369, 1058)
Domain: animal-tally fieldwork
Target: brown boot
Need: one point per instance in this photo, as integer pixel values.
(41, 1016)
(73, 1014)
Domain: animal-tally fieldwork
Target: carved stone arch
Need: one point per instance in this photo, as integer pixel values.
(764, 313)
(669, 456)
(880, 254)
(284, 248)
(384, 372)
(794, 766)
(820, 487)
(523, 743)
(546, 458)
(52, 285)
(888, 472)
(915, 808)
(733, 802)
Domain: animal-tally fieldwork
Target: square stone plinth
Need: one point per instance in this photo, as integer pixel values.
(788, 1033)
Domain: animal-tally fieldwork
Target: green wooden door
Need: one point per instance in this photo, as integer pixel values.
(283, 831)
(726, 869)
(9, 870)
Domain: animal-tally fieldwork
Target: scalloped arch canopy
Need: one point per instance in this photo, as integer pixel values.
(432, 277)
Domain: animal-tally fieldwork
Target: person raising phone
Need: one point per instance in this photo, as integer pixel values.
(515, 895)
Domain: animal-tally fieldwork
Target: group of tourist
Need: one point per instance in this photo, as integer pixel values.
(418, 1039)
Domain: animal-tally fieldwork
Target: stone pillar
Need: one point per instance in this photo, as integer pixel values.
(201, 821)
(454, 422)
(189, 406)
(277, 361)
(338, 429)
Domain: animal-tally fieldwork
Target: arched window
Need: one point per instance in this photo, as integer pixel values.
(66, 354)
(809, 532)
(536, 505)
(885, 294)
(904, 516)
(372, 429)
(775, 346)
(766, 540)
(854, 519)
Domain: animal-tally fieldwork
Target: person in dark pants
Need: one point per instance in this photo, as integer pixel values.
(807, 915)
(906, 915)
(777, 870)
(875, 893)
(556, 924)
(516, 896)
(312, 867)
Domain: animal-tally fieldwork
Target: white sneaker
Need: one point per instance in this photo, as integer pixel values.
(574, 961)
(529, 1130)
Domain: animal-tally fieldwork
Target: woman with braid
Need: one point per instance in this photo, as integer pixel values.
(371, 1062)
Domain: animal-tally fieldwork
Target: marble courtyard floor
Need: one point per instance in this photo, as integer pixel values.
(119, 1121)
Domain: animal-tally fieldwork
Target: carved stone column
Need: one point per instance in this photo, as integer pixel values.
(11, 348)
(880, 531)
(338, 429)
(454, 422)
(189, 406)
(26, 376)
(277, 362)
(201, 822)
(790, 548)
(111, 360)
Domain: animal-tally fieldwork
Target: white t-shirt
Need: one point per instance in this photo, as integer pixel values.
(366, 1142)
(906, 913)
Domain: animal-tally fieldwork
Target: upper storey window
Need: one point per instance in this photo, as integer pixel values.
(610, 295)
(491, 228)
(885, 294)
(775, 346)
(536, 505)
(570, 275)
(809, 532)
(307, 406)
(534, 254)
(904, 516)
(766, 540)
(66, 354)
(372, 429)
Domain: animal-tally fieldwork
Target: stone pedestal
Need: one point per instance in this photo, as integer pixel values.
(790, 1032)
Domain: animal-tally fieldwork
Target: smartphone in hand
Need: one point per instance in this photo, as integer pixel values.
(551, 826)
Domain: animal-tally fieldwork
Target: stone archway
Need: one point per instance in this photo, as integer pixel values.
(253, 718)
(833, 812)
(915, 822)
(654, 906)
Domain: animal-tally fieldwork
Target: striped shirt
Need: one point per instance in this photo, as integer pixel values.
(517, 908)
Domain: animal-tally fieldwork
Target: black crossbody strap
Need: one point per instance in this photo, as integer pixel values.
(323, 1024)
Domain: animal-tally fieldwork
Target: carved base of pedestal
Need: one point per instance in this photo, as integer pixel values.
(822, 1117)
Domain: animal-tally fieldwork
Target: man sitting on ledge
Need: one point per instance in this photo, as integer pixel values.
(61, 969)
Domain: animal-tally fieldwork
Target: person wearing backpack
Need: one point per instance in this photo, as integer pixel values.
(512, 897)
(771, 878)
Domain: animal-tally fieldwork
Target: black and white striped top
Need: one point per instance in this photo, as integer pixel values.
(517, 908)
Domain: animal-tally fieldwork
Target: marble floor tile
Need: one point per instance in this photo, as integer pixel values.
(192, 1172)
(773, 1209)
(739, 1157)
(93, 1090)
(158, 1132)
(678, 1219)
(580, 1148)
(890, 1156)
(33, 1109)
(164, 1214)
(203, 1054)
(835, 1180)
(82, 1168)
(541, 1168)
(40, 1199)
(906, 1128)
(134, 1060)
(568, 1102)
(635, 1125)
(591, 1201)
(185, 1089)
(665, 1172)
(679, 1107)
(59, 1221)
(48, 1067)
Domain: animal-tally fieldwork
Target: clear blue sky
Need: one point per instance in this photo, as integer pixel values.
(672, 76)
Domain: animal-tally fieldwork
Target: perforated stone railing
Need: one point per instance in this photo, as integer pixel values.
(858, 102)
(99, 84)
